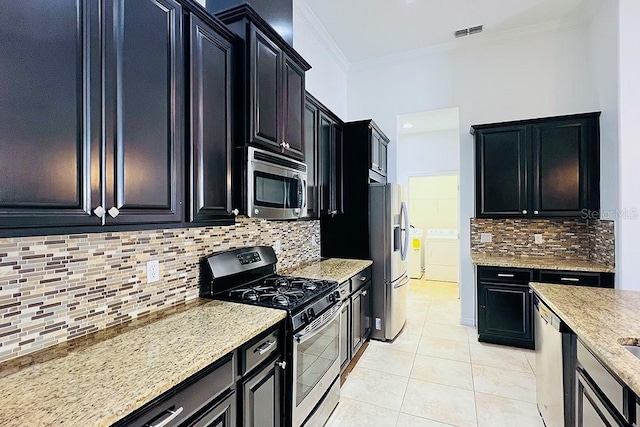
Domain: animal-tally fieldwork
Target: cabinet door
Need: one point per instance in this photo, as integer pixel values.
(222, 415)
(374, 154)
(345, 338)
(265, 91)
(501, 172)
(143, 110)
(356, 322)
(293, 96)
(561, 167)
(49, 113)
(383, 157)
(326, 159)
(338, 168)
(505, 313)
(365, 311)
(210, 132)
(261, 398)
(311, 158)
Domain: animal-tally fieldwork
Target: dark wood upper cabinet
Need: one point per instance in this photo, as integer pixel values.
(565, 167)
(211, 72)
(539, 168)
(272, 112)
(323, 144)
(143, 111)
(501, 171)
(266, 86)
(311, 114)
(293, 97)
(49, 114)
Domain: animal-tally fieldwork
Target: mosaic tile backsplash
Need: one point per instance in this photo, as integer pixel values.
(56, 288)
(563, 238)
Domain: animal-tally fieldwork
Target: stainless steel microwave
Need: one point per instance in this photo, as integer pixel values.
(276, 186)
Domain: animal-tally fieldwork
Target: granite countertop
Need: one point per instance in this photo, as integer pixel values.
(101, 383)
(338, 269)
(540, 263)
(600, 317)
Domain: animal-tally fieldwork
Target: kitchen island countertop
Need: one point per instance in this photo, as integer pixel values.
(100, 383)
(539, 263)
(600, 318)
(338, 269)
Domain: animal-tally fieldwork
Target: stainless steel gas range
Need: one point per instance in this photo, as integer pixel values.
(248, 276)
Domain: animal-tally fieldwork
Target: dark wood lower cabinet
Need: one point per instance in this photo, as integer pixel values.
(221, 415)
(356, 322)
(345, 348)
(505, 314)
(365, 311)
(261, 397)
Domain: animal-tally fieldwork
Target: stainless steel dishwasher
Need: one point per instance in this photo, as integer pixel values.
(555, 367)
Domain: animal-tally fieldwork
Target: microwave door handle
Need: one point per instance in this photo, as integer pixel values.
(303, 187)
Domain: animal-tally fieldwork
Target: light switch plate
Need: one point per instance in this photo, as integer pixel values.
(538, 238)
(277, 247)
(486, 237)
(153, 271)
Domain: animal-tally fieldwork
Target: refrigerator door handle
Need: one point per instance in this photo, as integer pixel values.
(405, 244)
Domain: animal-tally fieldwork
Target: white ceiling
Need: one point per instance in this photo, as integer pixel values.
(367, 29)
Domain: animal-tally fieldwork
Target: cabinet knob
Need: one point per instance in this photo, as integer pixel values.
(364, 293)
(524, 211)
(99, 211)
(114, 212)
(535, 212)
(235, 212)
(282, 365)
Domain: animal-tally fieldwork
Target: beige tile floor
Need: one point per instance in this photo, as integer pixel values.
(436, 373)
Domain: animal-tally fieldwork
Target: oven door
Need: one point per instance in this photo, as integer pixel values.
(274, 190)
(316, 365)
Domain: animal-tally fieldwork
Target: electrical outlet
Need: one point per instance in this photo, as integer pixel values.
(277, 247)
(153, 271)
(486, 237)
(538, 238)
(314, 240)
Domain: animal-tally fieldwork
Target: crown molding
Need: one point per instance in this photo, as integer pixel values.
(304, 11)
(473, 42)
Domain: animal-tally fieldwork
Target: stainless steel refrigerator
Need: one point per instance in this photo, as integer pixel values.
(389, 244)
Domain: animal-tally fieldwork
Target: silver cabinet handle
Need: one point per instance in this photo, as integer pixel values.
(569, 279)
(535, 212)
(265, 347)
(524, 211)
(505, 275)
(363, 279)
(114, 212)
(99, 211)
(282, 365)
(364, 293)
(288, 146)
(235, 212)
(171, 417)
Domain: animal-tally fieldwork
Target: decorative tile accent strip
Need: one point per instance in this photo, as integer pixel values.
(602, 248)
(56, 288)
(592, 240)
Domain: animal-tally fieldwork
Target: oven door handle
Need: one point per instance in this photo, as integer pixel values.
(301, 338)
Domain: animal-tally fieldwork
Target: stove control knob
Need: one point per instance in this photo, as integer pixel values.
(303, 318)
(331, 298)
(311, 313)
(336, 295)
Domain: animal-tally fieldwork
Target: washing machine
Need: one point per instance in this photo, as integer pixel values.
(416, 260)
(441, 255)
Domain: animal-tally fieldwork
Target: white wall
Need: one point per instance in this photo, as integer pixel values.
(327, 79)
(427, 153)
(628, 236)
(535, 76)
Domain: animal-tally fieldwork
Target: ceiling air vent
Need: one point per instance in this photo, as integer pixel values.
(468, 31)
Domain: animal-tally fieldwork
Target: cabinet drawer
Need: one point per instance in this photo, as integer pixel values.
(189, 398)
(570, 278)
(259, 350)
(360, 279)
(345, 290)
(609, 386)
(511, 275)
